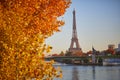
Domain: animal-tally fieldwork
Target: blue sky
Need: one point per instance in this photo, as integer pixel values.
(98, 24)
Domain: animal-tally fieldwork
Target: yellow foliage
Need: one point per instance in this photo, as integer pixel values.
(24, 26)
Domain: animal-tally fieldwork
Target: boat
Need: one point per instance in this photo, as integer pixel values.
(111, 61)
(59, 64)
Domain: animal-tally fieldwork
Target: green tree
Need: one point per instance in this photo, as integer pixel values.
(68, 53)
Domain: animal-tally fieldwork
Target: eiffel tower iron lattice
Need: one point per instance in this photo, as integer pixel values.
(74, 39)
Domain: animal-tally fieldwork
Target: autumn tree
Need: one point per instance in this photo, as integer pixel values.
(62, 54)
(89, 53)
(24, 26)
(110, 51)
(68, 53)
(79, 53)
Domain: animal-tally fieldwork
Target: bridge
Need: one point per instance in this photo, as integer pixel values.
(69, 59)
(66, 58)
(79, 60)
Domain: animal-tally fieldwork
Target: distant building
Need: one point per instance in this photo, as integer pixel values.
(118, 49)
(111, 46)
(110, 50)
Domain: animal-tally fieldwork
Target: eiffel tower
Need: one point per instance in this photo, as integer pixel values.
(74, 39)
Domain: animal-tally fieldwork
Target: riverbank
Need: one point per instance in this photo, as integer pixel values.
(99, 60)
(105, 62)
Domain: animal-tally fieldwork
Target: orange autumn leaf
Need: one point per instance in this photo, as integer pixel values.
(24, 26)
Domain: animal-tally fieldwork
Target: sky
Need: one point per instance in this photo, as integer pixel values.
(97, 22)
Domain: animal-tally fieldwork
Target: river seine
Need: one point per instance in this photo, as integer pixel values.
(72, 72)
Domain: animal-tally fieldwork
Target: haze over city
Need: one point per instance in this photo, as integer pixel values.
(97, 22)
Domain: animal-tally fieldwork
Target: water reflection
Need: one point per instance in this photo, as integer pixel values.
(93, 72)
(75, 74)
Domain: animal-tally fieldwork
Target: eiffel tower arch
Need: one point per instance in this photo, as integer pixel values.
(74, 40)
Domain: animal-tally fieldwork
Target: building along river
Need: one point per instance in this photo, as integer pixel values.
(79, 72)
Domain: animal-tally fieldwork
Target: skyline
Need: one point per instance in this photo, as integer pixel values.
(97, 22)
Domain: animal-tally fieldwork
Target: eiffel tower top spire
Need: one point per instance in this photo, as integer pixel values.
(74, 25)
(74, 37)
(74, 20)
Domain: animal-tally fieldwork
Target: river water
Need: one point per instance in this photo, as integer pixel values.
(72, 72)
